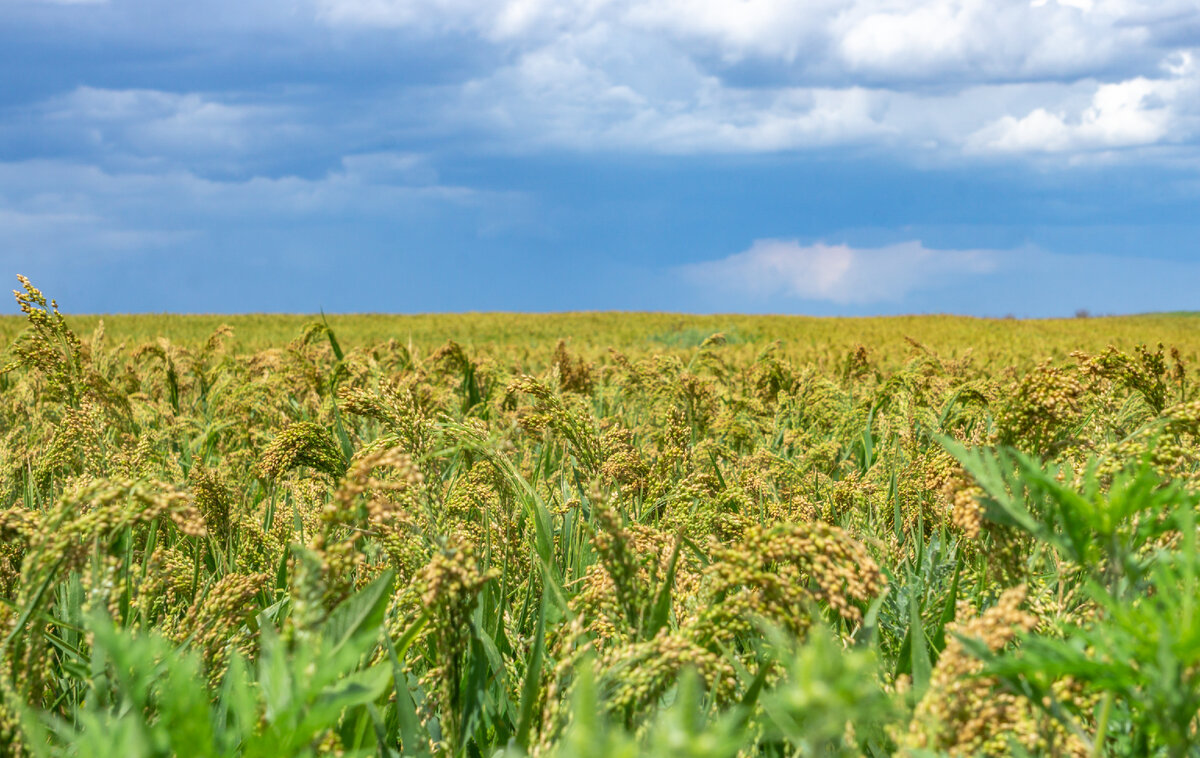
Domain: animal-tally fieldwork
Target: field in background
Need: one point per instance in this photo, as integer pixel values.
(803, 338)
(596, 535)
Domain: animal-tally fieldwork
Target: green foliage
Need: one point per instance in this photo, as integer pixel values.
(140, 695)
(1137, 649)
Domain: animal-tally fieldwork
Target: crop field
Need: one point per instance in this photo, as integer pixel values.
(593, 535)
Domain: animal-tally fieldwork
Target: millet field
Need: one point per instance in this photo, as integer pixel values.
(598, 535)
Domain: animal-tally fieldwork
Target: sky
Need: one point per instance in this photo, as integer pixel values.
(982, 157)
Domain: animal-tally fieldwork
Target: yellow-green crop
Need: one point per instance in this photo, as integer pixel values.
(597, 534)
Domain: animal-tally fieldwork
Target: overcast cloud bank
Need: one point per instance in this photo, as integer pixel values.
(583, 133)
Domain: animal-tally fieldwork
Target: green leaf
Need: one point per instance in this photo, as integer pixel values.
(660, 611)
(406, 709)
(533, 675)
(938, 640)
(361, 613)
(333, 342)
(922, 666)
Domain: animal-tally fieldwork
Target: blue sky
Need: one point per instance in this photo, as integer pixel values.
(984, 157)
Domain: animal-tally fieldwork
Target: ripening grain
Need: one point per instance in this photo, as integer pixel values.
(598, 535)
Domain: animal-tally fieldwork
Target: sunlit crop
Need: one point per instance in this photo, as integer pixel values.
(598, 535)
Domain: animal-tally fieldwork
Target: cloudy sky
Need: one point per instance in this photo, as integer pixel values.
(860, 156)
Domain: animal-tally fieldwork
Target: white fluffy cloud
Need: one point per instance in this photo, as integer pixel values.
(837, 273)
(1132, 113)
(890, 38)
(950, 76)
(984, 39)
(555, 95)
(930, 79)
